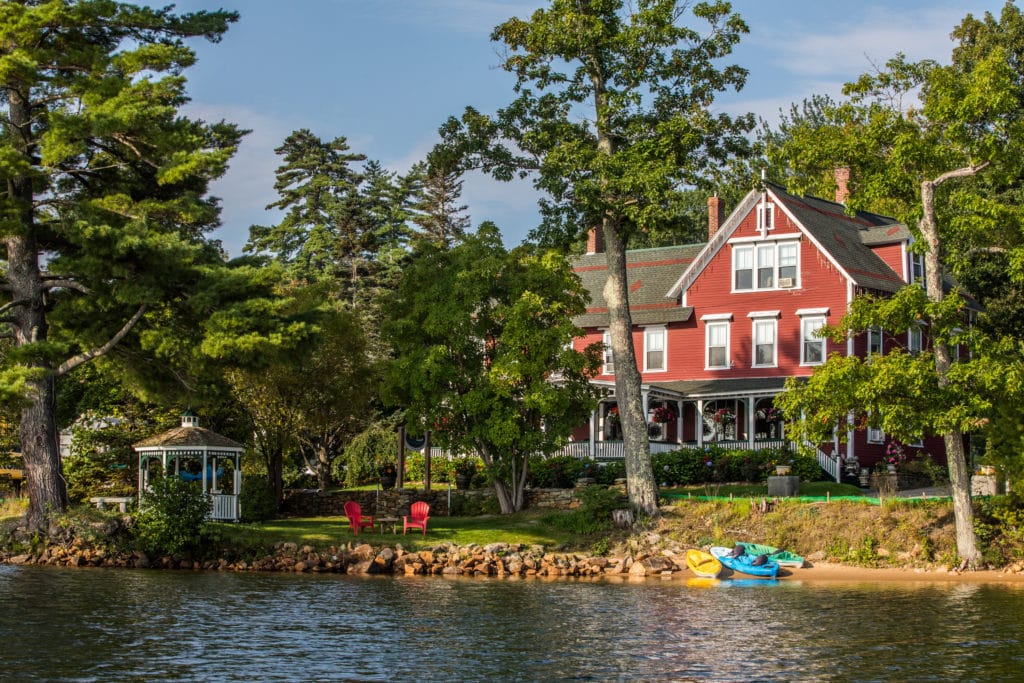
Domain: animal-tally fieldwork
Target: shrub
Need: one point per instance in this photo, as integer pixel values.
(172, 517)
(594, 513)
(257, 499)
(558, 472)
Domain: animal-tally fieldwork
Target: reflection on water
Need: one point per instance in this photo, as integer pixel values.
(98, 625)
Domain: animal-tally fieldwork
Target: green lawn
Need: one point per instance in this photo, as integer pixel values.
(811, 488)
(524, 527)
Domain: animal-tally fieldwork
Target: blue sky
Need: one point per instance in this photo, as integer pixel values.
(386, 73)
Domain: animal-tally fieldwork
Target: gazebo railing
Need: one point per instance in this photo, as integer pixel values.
(224, 508)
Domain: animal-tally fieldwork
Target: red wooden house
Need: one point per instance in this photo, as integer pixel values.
(719, 326)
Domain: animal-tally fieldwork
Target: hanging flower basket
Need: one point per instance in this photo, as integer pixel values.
(664, 414)
(613, 415)
(724, 416)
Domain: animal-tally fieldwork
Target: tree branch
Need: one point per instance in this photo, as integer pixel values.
(73, 362)
(959, 173)
(55, 282)
(12, 304)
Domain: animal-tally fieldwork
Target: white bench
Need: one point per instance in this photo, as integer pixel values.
(101, 502)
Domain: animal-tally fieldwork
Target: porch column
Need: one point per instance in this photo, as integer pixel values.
(592, 431)
(700, 422)
(750, 422)
(679, 422)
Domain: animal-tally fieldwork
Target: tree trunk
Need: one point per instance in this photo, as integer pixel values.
(956, 460)
(47, 491)
(643, 491)
(44, 479)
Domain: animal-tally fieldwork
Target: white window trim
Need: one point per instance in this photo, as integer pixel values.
(773, 319)
(715, 321)
(764, 314)
(812, 311)
(716, 317)
(875, 435)
(664, 348)
(753, 244)
(804, 321)
(910, 340)
(871, 332)
(765, 208)
(607, 361)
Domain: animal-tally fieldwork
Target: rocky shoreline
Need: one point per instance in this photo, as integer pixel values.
(498, 560)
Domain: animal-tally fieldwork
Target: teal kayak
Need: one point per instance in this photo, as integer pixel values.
(745, 563)
(783, 557)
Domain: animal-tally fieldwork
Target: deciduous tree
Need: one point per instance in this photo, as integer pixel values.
(612, 119)
(483, 356)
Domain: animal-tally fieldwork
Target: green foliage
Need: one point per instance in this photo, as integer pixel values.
(999, 524)
(257, 499)
(474, 506)
(715, 465)
(373, 447)
(172, 517)
(594, 513)
(558, 472)
(478, 331)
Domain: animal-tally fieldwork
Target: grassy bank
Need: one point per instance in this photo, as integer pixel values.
(894, 533)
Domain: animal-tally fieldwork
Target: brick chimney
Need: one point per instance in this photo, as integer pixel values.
(716, 215)
(595, 241)
(842, 176)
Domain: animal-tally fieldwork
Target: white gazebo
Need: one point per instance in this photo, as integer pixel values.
(196, 454)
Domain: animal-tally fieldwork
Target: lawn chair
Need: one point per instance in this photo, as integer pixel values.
(356, 520)
(417, 517)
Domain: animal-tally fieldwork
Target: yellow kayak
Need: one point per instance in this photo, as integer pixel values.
(703, 564)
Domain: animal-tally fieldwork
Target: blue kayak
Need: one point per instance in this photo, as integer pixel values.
(744, 563)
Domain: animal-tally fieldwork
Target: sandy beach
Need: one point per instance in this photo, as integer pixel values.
(823, 571)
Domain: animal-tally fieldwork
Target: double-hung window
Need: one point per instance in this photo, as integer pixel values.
(874, 341)
(812, 347)
(914, 340)
(743, 266)
(654, 349)
(765, 335)
(609, 362)
(765, 265)
(716, 336)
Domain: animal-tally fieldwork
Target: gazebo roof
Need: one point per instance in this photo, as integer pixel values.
(189, 436)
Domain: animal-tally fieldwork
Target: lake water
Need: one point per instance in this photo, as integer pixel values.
(121, 625)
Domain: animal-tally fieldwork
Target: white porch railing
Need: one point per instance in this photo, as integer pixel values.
(830, 463)
(225, 507)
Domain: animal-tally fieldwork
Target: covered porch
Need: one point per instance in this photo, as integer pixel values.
(689, 414)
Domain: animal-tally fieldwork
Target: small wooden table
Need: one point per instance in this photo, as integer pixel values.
(381, 521)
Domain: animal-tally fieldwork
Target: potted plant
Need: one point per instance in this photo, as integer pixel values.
(724, 416)
(465, 470)
(388, 476)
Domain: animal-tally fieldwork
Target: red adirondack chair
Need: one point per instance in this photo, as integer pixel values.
(356, 520)
(417, 518)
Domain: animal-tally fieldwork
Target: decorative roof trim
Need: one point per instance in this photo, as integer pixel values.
(716, 316)
(764, 314)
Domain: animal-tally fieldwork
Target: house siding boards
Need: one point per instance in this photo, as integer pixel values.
(687, 287)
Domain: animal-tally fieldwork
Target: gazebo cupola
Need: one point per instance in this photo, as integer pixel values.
(195, 454)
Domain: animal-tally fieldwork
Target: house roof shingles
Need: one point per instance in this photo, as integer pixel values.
(650, 274)
(847, 238)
